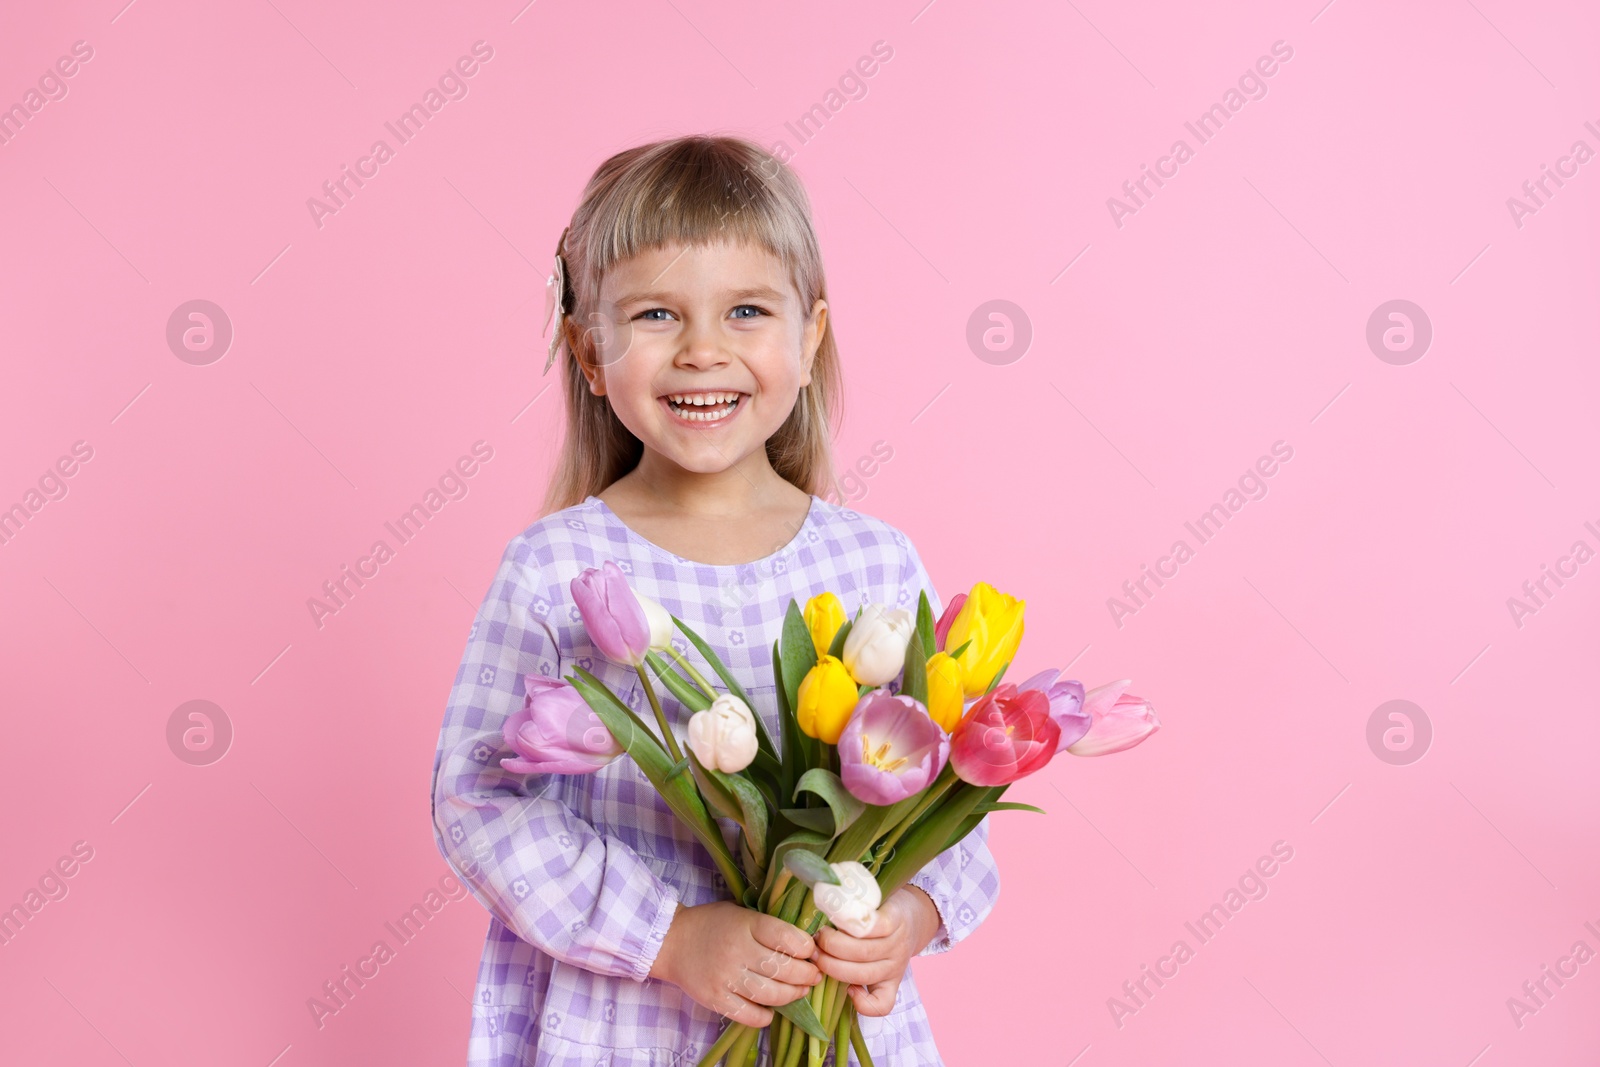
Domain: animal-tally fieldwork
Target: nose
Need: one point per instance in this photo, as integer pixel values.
(701, 345)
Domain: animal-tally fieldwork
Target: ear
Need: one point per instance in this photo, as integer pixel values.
(595, 374)
(811, 338)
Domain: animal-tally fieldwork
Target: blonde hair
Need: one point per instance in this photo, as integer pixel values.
(692, 191)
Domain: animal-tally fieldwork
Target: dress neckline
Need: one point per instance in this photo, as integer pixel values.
(604, 509)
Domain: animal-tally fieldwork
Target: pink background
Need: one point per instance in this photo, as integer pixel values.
(1227, 314)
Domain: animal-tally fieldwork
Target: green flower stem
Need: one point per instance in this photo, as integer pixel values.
(694, 675)
(780, 1042)
(833, 989)
(740, 1049)
(841, 1035)
(725, 1040)
(858, 1041)
(661, 717)
(800, 1040)
(933, 795)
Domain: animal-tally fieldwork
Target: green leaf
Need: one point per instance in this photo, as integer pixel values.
(754, 869)
(688, 694)
(628, 729)
(801, 1014)
(868, 827)
(763, 740)
(778, 875)
(721, 802)
(997, 676)
(679, 792)
(678, 768)
(930, 836)
(987, 807)
(914, 675)
(836, 646)
(753, 809)
(963, 647)
(818, 820)
(799, 655)
(830, 787)
(925, 624)
(793, 740)
(809, 867)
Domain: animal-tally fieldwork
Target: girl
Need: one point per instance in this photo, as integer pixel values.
(700, 387)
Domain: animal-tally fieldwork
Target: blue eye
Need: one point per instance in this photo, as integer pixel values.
(652, 311)
(749, 307)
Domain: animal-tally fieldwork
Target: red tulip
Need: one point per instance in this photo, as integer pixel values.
(941, 629)
(1006, 735)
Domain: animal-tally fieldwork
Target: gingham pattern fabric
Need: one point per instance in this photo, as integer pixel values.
(581, 874)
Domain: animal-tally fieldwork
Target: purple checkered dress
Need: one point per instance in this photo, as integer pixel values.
(582, 873)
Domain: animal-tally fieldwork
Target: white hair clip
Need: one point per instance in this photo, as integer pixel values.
(555, 303)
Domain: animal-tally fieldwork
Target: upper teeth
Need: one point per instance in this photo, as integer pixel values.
(701, 399)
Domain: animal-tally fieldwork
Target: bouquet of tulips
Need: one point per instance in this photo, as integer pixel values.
(897, 738)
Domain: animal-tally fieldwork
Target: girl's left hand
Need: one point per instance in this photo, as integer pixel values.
(872, 966)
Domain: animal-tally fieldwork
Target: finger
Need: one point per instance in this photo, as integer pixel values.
(858, 973)
(785, 937)
(784, 968)
(763, 990)
(845, 946)
(874, 1000)
(738, 1009)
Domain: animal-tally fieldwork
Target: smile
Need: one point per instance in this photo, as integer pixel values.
(708, 407)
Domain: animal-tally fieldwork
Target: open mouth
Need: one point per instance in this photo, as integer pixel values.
(703, 407)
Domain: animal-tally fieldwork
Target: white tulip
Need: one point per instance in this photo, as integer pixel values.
(723, 736)
(660, 620)
(875, 648)
(852, 905)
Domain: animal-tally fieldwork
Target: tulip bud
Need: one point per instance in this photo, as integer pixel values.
(824, 614)
(556, 732)
(945, 693)
(875, 650)
(723, 736)
(989, 624)
(613, 616)
(827, 697)
(852, 905)
(1120, 720)
(941, 629)
(660, 620)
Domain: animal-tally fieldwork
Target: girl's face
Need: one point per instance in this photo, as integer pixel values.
(703, 351)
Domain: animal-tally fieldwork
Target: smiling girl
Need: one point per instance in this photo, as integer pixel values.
(701, 385)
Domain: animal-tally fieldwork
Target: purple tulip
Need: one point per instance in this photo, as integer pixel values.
(615, 619)
(890, 748)
(1066, 704)
(556, 732)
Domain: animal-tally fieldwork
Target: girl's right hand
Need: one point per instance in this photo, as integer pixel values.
(736, 960)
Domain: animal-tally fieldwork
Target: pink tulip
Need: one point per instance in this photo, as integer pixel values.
(890, 748)
(556, 732)
(1121, 720)
(615, 619)
(1006, 735)
(1066, 704)
(941, 629)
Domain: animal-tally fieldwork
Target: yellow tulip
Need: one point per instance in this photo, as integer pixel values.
(945, 693)
(992, 622)
(827, 697)
(824, 614)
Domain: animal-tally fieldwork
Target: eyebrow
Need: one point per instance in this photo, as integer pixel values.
(761, 292)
